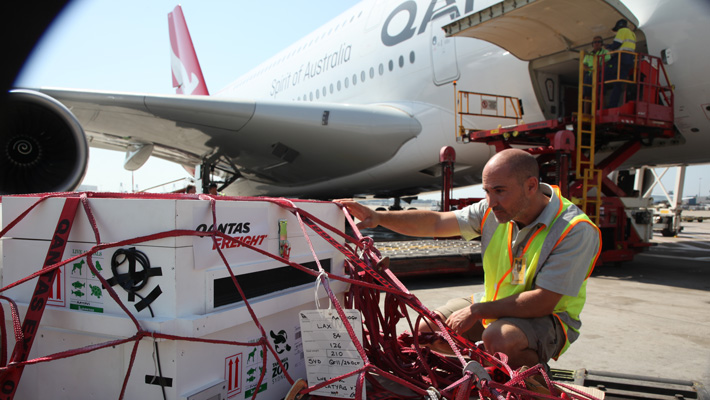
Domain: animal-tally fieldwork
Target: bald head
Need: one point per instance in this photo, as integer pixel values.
(514, 162)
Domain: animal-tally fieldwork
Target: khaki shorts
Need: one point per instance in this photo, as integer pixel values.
(545, 334)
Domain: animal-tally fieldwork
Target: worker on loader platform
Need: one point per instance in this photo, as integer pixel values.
(538, 250)
(625, 40)
(588, 61)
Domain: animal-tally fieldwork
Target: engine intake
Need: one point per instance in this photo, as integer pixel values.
(42, 145)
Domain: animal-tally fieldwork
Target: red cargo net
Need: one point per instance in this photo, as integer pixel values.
(393, 363)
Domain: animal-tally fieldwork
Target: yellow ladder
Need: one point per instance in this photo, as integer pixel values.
(586, 129)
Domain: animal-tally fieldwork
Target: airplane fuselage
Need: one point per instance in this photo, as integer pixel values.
(393, 54)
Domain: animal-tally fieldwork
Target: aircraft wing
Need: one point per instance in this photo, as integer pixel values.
(283, 143)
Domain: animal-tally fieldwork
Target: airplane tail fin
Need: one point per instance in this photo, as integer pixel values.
(187, 74)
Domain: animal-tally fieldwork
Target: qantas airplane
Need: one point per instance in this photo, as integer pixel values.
(360, 106)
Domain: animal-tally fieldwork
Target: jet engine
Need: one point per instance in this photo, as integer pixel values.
(42, 145)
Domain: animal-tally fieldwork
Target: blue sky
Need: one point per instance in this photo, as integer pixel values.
(124, 46)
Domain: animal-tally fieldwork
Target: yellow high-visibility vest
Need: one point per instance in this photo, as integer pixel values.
(627, 38)
(498, 260)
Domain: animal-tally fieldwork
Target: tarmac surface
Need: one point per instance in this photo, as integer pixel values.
(649, 317)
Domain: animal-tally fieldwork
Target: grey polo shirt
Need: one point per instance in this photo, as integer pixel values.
(566, 268)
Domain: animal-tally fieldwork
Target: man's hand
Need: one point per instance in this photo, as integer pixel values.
(367, 216)
(462, 320)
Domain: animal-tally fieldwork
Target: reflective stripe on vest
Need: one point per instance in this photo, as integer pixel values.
(541, 241)
(627, 39)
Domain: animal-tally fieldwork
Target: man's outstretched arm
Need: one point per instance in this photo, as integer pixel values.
(421, 223)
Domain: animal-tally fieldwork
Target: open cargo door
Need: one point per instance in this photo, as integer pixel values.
(531, 29)
(549, 34)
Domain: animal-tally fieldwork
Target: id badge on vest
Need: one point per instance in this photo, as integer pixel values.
(517, 275)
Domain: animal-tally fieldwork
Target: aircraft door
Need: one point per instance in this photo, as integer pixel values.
(548, 93)
(443, 53)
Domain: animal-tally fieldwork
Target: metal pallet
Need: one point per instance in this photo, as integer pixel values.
(627, 386)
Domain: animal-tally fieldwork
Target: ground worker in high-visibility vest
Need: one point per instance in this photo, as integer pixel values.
(538, 250)
(588, 62)
(620, 67)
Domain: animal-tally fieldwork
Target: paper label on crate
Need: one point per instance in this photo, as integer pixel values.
(246, 225)
(82, 288)
(285, 340)
(329, 351)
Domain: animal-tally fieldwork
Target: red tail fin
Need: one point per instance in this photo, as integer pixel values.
(187, 74)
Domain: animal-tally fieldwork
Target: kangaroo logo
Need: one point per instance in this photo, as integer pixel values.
(187, 81)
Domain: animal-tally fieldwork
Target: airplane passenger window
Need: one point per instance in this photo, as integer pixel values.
(401, 61)
(382, 69)
(324, 91)
(311, 96)
(347, 83)
(317, 94)
(391, 65)
(411, 57)
(354, 79)
(338, 86)
(331, 88)
(372, 72)
(362, 76)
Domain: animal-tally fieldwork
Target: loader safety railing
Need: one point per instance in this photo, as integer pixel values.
(485, 105)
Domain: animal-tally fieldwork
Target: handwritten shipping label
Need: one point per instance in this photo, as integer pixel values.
(329, 351)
